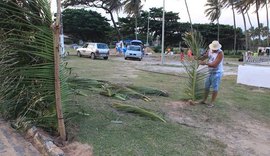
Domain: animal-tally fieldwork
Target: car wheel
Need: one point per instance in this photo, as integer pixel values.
(79, 54)
(125, 58)
(92, 56)
(140, 59)
(105, 58)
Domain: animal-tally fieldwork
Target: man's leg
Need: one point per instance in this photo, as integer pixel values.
(214, 96)
(207, 89)
(206, 93)
(216, 83)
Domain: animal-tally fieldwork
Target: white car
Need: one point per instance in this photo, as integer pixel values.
(134, 51)
(94, 50)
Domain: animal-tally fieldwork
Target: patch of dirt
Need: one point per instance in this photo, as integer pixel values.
(173, 110)
(245, 136)
(78, 149)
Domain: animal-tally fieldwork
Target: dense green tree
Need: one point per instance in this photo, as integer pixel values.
(172, 33)
(174, 29)
(213, 12)
(110, 6)
(208, 31)
(86, 25)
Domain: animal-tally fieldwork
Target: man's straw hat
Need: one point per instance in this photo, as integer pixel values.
(215, 45)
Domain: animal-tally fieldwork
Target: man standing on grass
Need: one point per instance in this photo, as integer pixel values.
(215, 65)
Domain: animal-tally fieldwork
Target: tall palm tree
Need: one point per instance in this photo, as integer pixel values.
(213, 12)
(114, 6)
(240, 8)
(231, 3)
(267, 20)
(258, 4)
(132, 8)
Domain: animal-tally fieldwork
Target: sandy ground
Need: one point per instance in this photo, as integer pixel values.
(245, 137)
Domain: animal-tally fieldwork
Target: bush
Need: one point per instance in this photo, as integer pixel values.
(157, 49)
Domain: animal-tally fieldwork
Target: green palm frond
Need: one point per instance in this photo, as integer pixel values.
(27, 63)
(194, 85)
(138, 110)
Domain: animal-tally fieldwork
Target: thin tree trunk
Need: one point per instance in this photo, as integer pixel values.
(218, 29)
(136, 25)
(249, 36)
(189, 16)
(234, 27)
(249, 20)
(245, 27)
(258, 21)
(115, 26)
(60, 118)
(267, 19)
(218, 20)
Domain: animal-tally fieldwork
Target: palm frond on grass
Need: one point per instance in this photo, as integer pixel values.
(137, 110)
(119, 91)
(196, 76)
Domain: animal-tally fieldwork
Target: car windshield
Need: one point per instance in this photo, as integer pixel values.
(134, 48)
(136, 43)
(102, 46)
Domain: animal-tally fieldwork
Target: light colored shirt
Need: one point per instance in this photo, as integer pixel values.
(211, 58)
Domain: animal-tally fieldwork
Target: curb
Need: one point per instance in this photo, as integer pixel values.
(44, 143)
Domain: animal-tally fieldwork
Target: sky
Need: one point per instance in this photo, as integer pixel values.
(196, 9)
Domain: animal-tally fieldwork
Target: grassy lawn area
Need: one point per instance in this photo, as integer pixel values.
(189, 130)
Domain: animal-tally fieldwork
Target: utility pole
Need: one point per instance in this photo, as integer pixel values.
(162, 40)
(60, 118)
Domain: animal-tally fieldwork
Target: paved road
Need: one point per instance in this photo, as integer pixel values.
(171, 65)
(13, 144)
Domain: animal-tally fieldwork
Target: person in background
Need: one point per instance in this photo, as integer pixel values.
(182, 55)
(215, 66)
(168, 51)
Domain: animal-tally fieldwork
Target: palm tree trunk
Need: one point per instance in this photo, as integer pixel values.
(61, 124)
(136, 25)
(189, 16)
(245, 27)
(115, 26)
(249, 20)
(258, 21)
(234, 27)
(218, 29)
(267, 19)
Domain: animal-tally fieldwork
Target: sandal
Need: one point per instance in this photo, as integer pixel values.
(210, 105)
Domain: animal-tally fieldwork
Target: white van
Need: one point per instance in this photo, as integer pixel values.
(94, 50)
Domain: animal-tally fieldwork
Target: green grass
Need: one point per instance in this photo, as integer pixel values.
(139, 135)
